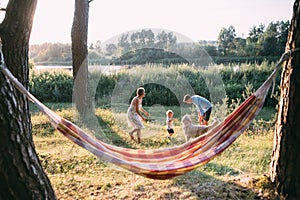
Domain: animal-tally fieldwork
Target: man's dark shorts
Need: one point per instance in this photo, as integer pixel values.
(206, 115)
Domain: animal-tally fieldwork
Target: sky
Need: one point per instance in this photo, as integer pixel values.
(194, 19)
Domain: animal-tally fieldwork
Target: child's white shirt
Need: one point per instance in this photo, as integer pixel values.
(169, 122)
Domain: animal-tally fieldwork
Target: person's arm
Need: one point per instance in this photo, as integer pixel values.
(144, 111)
(200, 118)
(137, 109)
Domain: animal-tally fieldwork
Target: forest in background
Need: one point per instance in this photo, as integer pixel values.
(263, 43)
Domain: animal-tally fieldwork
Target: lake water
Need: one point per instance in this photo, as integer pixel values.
(107, 69)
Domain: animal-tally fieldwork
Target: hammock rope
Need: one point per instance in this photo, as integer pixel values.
(163, 163)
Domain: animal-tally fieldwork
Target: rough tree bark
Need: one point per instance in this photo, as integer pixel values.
(21, 173)
(81, 95)
(285, 163)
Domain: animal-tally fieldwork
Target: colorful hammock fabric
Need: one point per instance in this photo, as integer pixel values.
(169, 162)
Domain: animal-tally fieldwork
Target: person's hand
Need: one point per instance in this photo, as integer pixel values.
(201, 120)
(147, 114)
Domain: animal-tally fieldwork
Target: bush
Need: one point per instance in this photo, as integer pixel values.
(52, 87)
(164, 85)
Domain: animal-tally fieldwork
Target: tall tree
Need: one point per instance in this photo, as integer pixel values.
(123, 43)
(254, 41)
(274, 38)
(111, 49)
(142, 39)
(285, 163)
(79, 34)
(21, 173)
(165, 40)
(255, 33)
(240, 46)
(226, 40)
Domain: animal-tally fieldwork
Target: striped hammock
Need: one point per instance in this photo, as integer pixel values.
(169, 162)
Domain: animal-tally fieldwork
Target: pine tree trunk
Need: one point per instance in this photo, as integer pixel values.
(21, 173)
(81, 95)
(285, 163)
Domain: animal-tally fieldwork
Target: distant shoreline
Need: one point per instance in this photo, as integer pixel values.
(102, 68)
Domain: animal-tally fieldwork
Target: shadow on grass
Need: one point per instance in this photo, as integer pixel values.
(111, 135)
(204, 186)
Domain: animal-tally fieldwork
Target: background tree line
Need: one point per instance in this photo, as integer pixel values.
(262, 43)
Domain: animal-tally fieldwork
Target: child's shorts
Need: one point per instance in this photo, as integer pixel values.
(170, 130)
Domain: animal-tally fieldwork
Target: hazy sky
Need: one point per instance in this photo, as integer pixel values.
(195, 19)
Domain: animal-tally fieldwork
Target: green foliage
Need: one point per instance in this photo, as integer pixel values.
(149, 55)
(49, 52)
(52, 87)
(259, 43)
(236, 80)
(164, 86)
(145, 39)
(102, 85)
(226, 40)
(275, 37)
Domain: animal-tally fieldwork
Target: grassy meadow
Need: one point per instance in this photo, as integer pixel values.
(238, 173)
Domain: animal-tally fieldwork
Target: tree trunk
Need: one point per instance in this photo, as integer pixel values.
(285, 163)
(21, 173)
(81, 95)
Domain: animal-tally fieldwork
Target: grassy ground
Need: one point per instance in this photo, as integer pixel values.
(238, 173)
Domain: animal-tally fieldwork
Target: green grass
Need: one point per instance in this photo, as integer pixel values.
(77, 174)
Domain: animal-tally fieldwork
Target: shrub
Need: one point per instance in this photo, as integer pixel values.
(164, 85)
(52, 87)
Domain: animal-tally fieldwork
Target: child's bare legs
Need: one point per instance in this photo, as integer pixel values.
(131, 133)
(138, 132)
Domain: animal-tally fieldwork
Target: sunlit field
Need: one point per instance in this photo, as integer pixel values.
(238, 173)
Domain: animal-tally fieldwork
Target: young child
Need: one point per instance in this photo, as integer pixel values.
(169, 122)
(134, 114)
